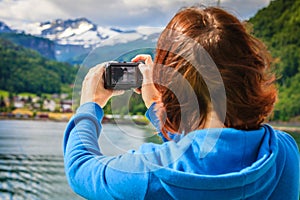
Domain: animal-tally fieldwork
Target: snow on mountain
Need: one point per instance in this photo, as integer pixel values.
(84, 33)
(75, 38)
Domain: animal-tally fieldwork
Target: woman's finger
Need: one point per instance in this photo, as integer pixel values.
(96, 72)
(98, 69)
(143, 57)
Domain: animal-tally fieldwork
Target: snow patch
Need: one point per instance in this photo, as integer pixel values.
(85, 33)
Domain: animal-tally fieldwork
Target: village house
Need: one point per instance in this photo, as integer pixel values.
(66, 105)
(49, 105)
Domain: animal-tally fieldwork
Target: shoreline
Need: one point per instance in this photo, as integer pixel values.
(288, 129)
(286, 126)
(105, 120)
(283, 126)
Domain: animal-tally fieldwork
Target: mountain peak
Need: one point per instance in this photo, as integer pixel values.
(69, 22)
(66, 28)
(4, 28)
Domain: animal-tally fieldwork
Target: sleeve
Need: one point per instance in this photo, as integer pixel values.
(152, 117)
(92, 174)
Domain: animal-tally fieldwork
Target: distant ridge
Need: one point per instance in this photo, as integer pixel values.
(4, 28)
(42, 45)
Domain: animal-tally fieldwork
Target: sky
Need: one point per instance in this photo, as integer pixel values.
(116, 13)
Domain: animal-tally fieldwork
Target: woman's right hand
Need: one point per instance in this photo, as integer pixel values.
(149, 93)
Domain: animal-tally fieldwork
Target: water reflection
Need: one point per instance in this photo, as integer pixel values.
(31, 161)
(33, 177)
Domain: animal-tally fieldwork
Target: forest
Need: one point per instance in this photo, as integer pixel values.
(278, 26)
(25, 70)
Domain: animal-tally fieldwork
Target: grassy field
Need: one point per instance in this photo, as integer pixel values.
(51, 115)
(3, 93)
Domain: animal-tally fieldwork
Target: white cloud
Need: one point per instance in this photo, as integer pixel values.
(30, 10)
(244, 9)
(123, 13)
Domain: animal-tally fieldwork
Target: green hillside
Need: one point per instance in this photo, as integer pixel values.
(24, 70)
(278, 26)
(44, 46)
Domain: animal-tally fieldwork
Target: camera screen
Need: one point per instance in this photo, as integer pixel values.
(123, 75)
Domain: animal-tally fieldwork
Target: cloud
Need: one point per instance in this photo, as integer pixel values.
(244, 9)
(122, 13)
(30, 10)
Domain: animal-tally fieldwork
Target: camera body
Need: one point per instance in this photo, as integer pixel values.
(122, 76)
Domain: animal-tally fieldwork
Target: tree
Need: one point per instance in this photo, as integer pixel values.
(2, 104)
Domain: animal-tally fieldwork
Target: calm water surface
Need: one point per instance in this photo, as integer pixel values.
(31, 162)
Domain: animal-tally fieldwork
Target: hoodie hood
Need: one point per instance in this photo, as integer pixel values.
(241, 164)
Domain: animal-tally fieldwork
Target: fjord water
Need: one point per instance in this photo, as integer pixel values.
(31, 158)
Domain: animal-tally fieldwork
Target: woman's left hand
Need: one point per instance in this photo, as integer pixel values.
(93, 87)
(149, 92)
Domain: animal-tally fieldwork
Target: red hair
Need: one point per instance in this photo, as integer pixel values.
(242, 61)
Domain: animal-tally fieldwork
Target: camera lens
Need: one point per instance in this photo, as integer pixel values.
(117, 74)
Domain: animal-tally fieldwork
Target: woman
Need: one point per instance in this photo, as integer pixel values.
(210, 115)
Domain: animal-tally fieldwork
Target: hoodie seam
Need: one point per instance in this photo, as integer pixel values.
(243, 161)
(148, 185)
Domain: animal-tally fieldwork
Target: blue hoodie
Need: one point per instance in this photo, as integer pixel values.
(204, 164)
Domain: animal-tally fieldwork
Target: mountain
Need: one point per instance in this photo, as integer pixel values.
(119, 51)
(4, 28)
(44, 46)
(67, 32)
(25, 70)
(82, 32)
(75, 38)
(278, 25)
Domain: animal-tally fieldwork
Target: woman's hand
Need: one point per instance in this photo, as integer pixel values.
(93, 87)
(149, 92)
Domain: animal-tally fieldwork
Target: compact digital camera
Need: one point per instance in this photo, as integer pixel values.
(122, 76)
